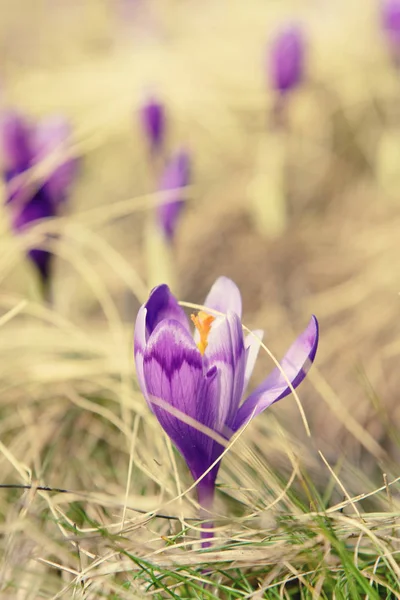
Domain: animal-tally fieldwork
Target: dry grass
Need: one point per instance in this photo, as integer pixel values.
(71, 416)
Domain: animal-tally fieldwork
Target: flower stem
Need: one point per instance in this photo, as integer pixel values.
(205, 493)
(159, 256)
(267, 189)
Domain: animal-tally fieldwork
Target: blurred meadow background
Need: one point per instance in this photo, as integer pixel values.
(296, 197)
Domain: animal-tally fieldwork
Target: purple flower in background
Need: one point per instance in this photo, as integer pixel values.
(23, 146)
(205, 376)
(38, 207)
(51, 136)
(153, 121)
(15, 144)
(176, 176)
(391, 26)
(286, 59)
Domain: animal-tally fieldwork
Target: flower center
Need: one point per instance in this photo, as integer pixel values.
(203, 322)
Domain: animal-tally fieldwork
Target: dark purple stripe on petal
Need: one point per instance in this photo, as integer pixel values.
(295, 365)
(172, 346)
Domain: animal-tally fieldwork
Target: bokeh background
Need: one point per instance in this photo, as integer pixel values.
(331, 171)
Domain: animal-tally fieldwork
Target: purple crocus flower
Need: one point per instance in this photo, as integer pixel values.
(176, 176)
(205, 375)
(51, 136)
(15, 144)
(391, 26)
(23, 145)
(153, 121)
(286, 59)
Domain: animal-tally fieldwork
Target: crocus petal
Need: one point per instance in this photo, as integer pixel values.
(252, 347)
(391, 18)
(175, 178)
(224, 296)
(391, 26)
(51, 136)
(42, 260)
(225, 351)
(163, 305)
(15, 143)
(287, 58)
(174, 374)
(139, 345)
(168, 214)
(177, 172)
(153, 121)
(295, 365)
(160, 305)
(37, 207)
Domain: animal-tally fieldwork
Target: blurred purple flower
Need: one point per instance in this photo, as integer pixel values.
(22, 147)
(39, 206)
(50, 136)
(205, 377)
(176, 176)
(153, 121)
(15, 144)
(286, 59)
(391, 26)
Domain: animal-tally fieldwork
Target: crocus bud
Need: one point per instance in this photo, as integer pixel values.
(153, 121)
(15, 144)
(286, 59)
(391, 26)
(50, 138)
(175, 177)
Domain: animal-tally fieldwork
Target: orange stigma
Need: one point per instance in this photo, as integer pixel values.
(203, 322)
